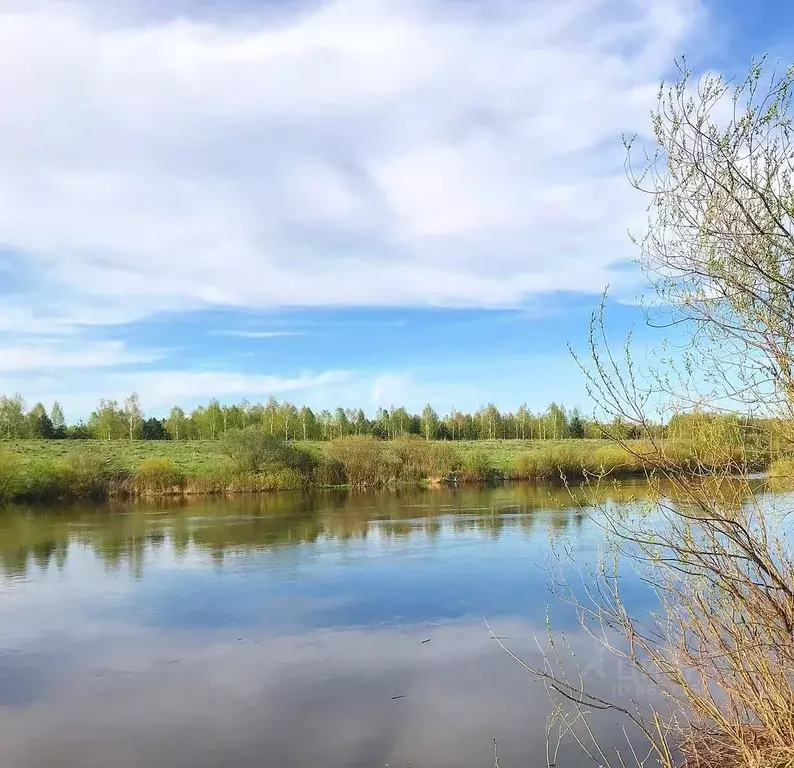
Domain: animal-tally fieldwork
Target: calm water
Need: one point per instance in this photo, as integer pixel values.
(286, 630)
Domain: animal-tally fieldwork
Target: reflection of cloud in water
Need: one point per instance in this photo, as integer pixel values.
(319, 699)
(276, 630)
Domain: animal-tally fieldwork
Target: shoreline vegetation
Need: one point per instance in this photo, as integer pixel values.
(249, 448)
(252, 461)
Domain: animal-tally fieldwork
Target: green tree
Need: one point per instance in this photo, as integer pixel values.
(576, 426)
(362, 425)
(107, 422)
(133, 415)
(270, 414)
(176, 424)
(153, 429)
(213, 417)
(341, 423)
(288, 417)
(12, 416)
(491, 421)
(556, 422)
(58, 420)
(523, 418)
(308, 422)
(39, 423)
(400, 422)
(430, 423)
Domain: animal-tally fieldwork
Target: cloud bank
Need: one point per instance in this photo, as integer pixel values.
(349, 153)
(363, 152)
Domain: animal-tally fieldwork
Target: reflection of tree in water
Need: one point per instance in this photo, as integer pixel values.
(271, 524)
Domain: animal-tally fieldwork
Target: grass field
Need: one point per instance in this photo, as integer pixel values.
(197, 457)
(193, 458)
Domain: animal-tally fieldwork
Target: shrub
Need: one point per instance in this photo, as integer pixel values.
(407, 458)
(159, 476)
(9, 477)
(782, 468)
(411, 459)
(363, 460)
(329, 471)
(573, 462)
(478, 467)
(781, 474)
(253, 452)
(443, 461)
(82, 475)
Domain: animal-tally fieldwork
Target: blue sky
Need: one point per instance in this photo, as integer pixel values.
(352, 202)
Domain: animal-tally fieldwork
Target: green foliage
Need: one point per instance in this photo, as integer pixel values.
(478, 468)
(158, 477)
(576, 460)
(79, 432)
(253, 451)
(40, 425)
(252, 460)
(366, 461)
(576, 427)
(58, 419)
(408, 458)
(329, 472)
(107, 422)
(84, 475)
(435, 461)
(153, 429)
(363, 460)
(781, 473)
(75, 476)
(9, 476)
(12, 417)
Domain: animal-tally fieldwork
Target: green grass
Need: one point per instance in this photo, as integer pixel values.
(193, 458)
(198, 457)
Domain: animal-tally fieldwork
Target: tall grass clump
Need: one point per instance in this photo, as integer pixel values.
(478, 468)
(159, 477)
(781, 473)
(414, 459)
(364, 461)
(329, 471)
(76, 476)
(259, 460)
(443, 461)
(575, 462)
(9, 476)
(87, 476)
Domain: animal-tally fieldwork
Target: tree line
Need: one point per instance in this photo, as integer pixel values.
(112, 420)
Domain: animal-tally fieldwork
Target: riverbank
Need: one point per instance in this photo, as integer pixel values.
(249, 462)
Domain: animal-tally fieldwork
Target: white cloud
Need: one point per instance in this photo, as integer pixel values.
(168, 387)
(364, 152)
(404, 388)
(159, 390)
(44, 355)
(260, 334)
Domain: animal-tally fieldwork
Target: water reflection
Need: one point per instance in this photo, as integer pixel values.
(286, 630)
(128, 534)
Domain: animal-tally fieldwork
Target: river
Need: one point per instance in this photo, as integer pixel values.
(291, 630)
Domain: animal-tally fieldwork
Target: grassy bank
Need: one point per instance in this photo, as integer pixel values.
(249, 461)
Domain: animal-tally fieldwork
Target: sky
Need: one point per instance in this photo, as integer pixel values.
(337, 202)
